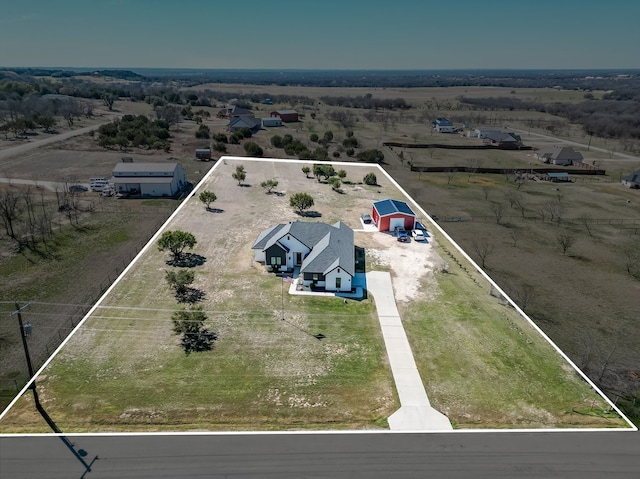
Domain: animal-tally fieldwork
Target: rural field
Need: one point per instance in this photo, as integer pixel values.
(481, 362)
(585, 297)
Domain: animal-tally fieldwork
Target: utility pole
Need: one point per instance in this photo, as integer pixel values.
(23, 335)
(80, 454)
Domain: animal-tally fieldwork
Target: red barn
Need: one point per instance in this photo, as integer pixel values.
(286, 116)
(387, 214)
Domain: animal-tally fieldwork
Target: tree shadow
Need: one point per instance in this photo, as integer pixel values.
(190, 295)
(215, 210)
(187, 260)
(310, 214)
(198, 341)
(276, 193)
(245, 185)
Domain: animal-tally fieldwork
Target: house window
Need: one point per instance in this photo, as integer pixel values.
(276, 260)
(315, 276)
(338, 283)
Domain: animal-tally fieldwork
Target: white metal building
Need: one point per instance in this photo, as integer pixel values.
(149, 179)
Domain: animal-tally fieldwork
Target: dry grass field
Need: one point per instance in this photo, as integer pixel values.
(125, 371)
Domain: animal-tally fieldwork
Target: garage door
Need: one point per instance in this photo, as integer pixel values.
(393, 222)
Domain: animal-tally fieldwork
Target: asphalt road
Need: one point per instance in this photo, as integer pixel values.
(567, 455)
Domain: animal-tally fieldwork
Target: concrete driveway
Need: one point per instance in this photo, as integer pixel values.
(415, 413)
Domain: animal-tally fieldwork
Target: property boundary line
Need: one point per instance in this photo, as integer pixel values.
(222, 160)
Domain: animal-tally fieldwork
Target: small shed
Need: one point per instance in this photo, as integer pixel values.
(286, 116)
(203, 154)
(271, 121)
(388, 214)
(559, 177)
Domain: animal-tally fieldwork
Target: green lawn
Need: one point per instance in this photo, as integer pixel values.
(126, 371)
(484, 366)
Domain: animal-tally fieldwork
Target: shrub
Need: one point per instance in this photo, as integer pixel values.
(370, 179)
(203, 132)
(253, 149)
(277, 141)
(350, 142)
(220, 146)
(371, 156)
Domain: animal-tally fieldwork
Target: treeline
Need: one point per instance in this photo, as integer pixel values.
(367, 101)
(604, 118)
(22, 115)
(607, 118)
(28, 219)
(137, 131)
(501, 103)
(570, 79)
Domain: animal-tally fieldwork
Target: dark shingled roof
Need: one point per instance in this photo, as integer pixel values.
(389, 207)
(331, 245)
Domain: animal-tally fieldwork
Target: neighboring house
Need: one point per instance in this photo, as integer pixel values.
(501, 139)
(271, 121)
(633, 180)
(149, 179)
(233, 111)
(240, 122)
(287, 116)
(387, 214)
(203, 154)
(442, 125)
(482, 133)
(559, 155)
(324, 253)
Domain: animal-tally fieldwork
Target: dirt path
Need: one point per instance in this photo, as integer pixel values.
(32, 145)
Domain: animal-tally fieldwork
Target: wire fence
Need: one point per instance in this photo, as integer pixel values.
(51, 324)
(630, 223)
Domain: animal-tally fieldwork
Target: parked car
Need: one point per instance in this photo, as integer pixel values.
(78, 189)
(418, 235)
(366, 219)
(401, 234)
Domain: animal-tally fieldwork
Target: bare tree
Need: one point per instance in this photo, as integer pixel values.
(566, 241)
(70, 110)
(474, 164)
(10, 210)
(108, 99)
(498, 211)
(515, 236)
(523, 294)
(631, 254)
(520, 203)
(483, 248)
(451, 174)
(549, 209)
(586, 220)
(485, 191)
(510, 196)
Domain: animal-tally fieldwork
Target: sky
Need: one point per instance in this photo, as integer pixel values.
(327, 34)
